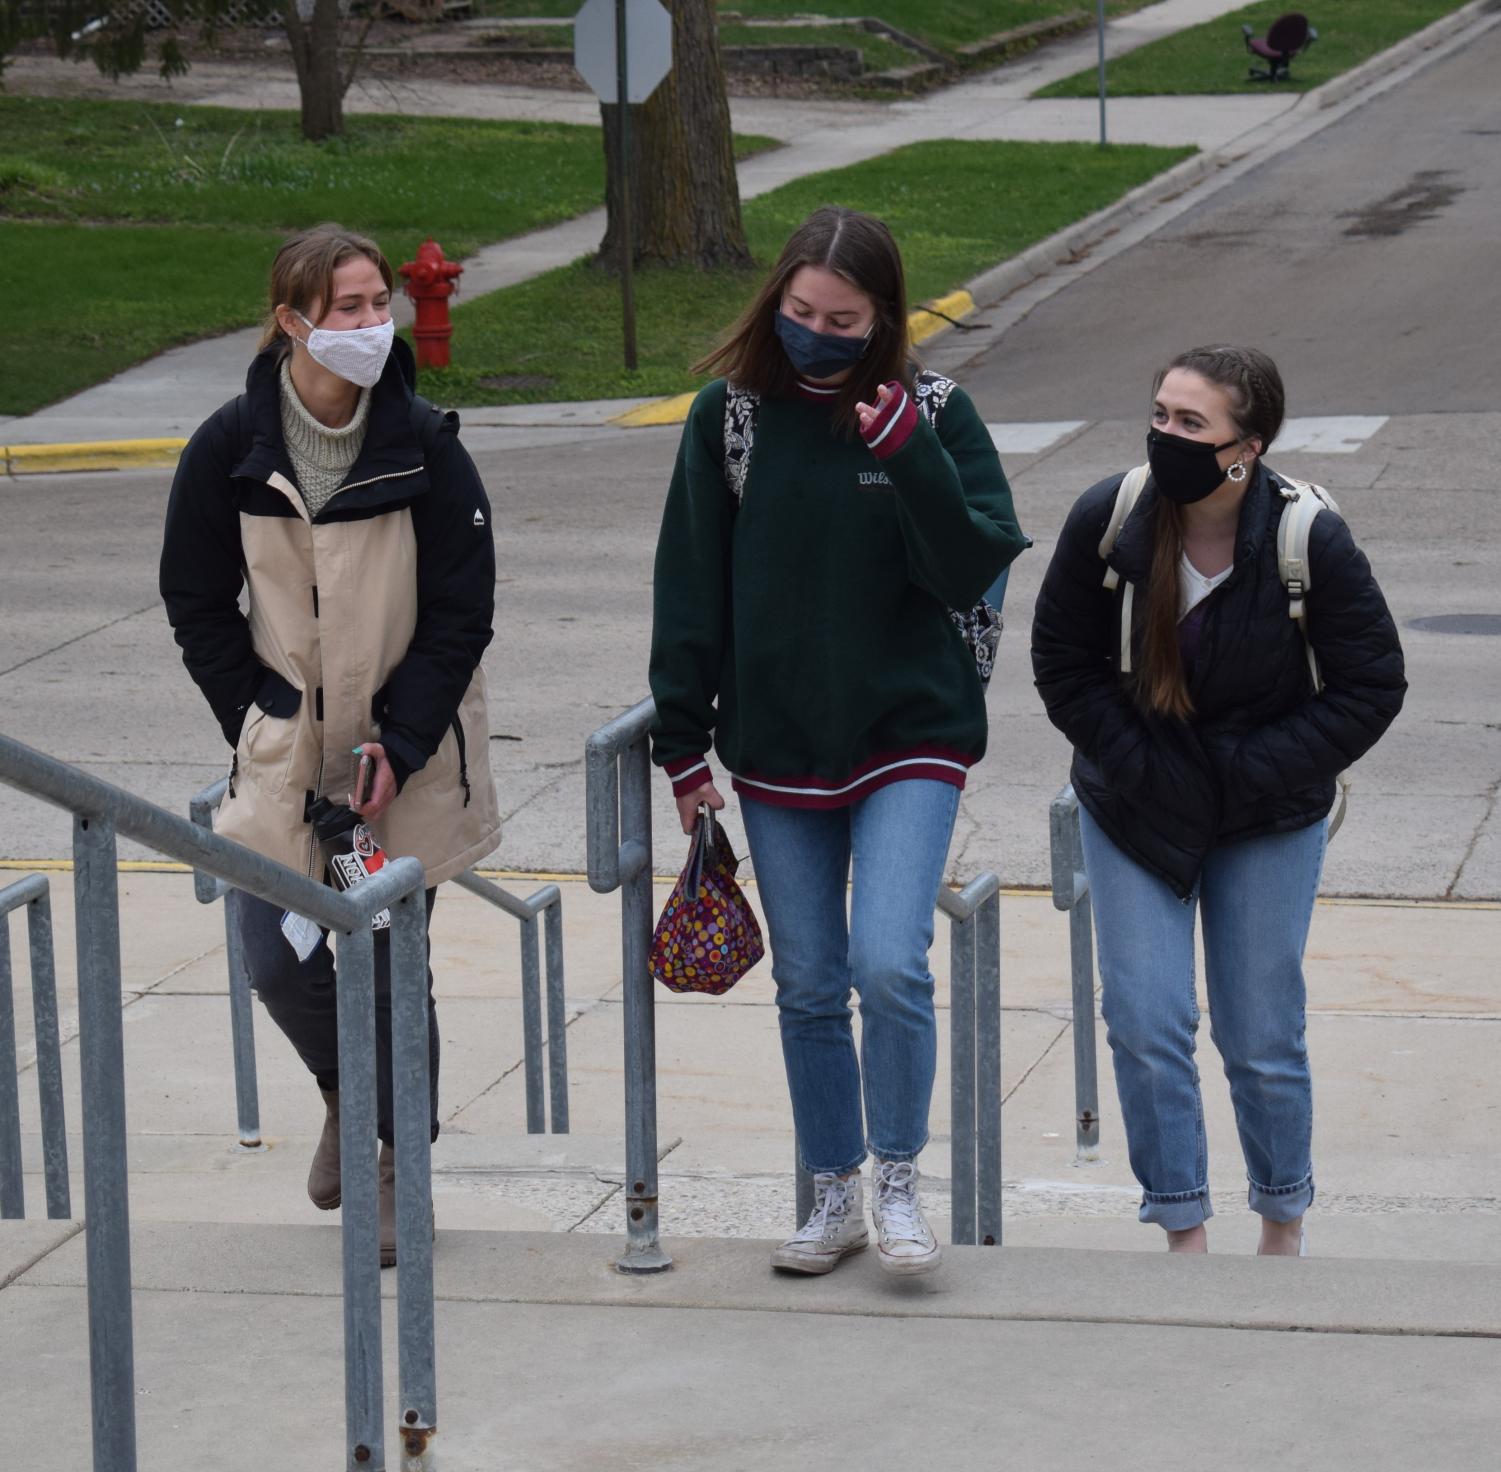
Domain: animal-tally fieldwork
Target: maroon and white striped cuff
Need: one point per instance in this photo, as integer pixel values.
(893, 426)
(687, 773)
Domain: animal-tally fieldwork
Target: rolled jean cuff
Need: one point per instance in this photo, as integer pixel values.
(1177, 1212)
(831, 1170)
(896, 1157)
(1280, 1203)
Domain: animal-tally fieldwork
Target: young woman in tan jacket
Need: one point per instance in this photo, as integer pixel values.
(345, 508)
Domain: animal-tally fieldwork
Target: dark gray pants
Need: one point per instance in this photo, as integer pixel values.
(300, 997)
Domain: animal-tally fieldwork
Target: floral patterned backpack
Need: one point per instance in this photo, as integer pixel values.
(708, 936)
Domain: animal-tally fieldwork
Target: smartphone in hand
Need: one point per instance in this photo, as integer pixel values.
(363, 781)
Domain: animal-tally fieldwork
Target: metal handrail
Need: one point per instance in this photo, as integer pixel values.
(617, 770)
(100, 811)
(34, 894)
(1071, 893)
(545, 904)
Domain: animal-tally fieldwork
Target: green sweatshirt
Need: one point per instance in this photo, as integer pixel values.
(806, 627)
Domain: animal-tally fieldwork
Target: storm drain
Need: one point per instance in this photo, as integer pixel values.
(1458, 623)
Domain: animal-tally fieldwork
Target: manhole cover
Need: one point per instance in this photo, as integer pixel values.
(1459, 623)
(518, 381)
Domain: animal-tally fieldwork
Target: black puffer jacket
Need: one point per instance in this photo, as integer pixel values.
(1262, 752)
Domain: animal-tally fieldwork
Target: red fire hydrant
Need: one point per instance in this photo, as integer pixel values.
(429, 283)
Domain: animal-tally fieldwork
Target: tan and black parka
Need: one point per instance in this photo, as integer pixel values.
(366, 622)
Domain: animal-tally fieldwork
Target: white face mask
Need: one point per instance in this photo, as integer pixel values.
(357, 355)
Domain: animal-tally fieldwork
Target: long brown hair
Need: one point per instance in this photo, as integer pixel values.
(857, 247)
(302, 275)
(1253, 386)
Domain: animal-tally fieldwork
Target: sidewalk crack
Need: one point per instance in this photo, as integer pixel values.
(1485, 817)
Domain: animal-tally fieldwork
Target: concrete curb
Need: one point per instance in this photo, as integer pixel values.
(46, 459)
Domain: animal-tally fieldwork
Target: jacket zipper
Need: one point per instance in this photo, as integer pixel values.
(458, 735)
(234, 767)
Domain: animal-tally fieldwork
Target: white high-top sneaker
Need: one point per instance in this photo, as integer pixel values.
(834, 1229)
(904, 1241)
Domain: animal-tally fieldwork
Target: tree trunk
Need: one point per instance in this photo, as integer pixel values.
(685, 201)
(313, 30)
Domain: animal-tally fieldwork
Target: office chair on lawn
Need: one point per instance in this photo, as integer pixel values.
(1288, 35)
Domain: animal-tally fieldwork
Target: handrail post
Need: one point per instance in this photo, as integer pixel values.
(618, 795)
(206, 889)
(531, 1025)
(412, 1104)
(1071, 893)
(962, 1157)
(242, 1035)
(355, 1004)
(557, 1013)
(988, 1071)
(12, 1182)
(49, 1054)
(101, 1042)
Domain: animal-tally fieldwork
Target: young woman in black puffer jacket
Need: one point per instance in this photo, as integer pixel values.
(1205, 765)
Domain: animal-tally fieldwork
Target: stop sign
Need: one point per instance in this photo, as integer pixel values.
(648, 47)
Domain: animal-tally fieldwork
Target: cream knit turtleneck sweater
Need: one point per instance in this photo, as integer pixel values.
(321, 457)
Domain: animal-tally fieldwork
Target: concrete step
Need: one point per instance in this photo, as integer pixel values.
(548, 1363)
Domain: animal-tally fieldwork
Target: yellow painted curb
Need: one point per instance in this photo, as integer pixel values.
(91, 455)
(659, 411)
(921, 325)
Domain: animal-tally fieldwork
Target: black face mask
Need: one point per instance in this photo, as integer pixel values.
(819, 354)
(1184, 470)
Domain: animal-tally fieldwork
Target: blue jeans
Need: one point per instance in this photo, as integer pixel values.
(898, 838)
(1257, 903)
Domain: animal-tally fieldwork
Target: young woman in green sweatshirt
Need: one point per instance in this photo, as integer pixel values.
(819, 532)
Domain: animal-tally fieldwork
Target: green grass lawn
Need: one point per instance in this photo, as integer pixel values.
(955, 208)
(144, 234)
(945, 24)
(1213, 58)
(878, 52)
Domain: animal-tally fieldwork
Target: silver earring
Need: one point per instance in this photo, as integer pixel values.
(1238, 472)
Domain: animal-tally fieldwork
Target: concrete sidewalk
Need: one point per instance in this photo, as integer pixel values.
(1405, 1016)
(1373, 1353)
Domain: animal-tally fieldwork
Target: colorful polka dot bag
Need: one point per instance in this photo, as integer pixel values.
(708, 936)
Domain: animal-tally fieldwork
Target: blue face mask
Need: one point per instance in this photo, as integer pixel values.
(819, 354)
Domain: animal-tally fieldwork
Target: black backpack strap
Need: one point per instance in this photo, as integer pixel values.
(429, 422)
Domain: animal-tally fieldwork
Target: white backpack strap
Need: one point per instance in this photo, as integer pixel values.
(1126, 496)
(1304, 501)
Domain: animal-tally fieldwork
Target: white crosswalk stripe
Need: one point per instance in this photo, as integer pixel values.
(1331, 434)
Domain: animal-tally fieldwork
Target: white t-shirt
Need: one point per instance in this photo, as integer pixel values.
(1193, 586)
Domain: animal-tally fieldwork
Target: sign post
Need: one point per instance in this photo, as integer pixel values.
(1100, 24)
(623, 49)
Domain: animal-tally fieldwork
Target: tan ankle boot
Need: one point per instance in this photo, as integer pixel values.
(323, 1176)
(387, 1207)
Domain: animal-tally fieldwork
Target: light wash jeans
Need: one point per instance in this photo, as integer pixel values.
(898, 838)
(1256, 898)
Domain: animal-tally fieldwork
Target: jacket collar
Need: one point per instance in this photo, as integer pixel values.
(390, 462)
(1132, 555)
